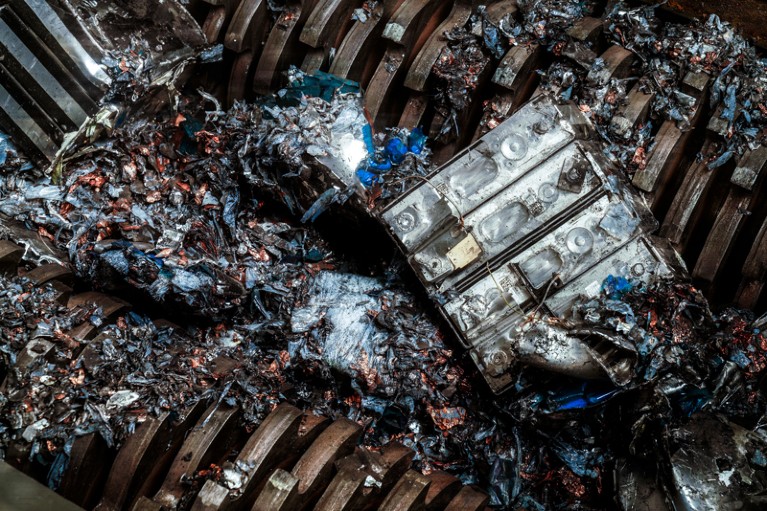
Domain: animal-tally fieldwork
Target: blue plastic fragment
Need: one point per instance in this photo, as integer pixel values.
(583, 401)
(646, 344)
(740, 358)
(318, 84)
(121, 117)
(158, 261)
(376, 404)
(724, 158)
(188, 144)
(751, 132)
(728, 68)
(646, 130)
(342, 85)
(191, 126)
(584, 397)
(730, 103)
(314, 255)
(213, 53)
(60, 464)
(368, 179)
(56, 472)
(527, 502)
(396, 150)
(416, 141)
(137, 319)
(379, 164)
(492, 38)
(615, 287)
(394, 153)
(367, 136)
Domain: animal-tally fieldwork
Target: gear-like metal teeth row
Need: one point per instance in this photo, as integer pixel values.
(717, 219)
(293, 461)
(50, 81)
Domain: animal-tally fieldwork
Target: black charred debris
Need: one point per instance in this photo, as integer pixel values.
(202, 209)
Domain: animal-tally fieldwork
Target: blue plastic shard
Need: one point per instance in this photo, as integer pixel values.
(368, 179)
(367, 136)
(379, 164)
(416, 141)
(396, 150)
(615, 287)
(724, 158)
(581, 401)
(740, 358)
(730, 103)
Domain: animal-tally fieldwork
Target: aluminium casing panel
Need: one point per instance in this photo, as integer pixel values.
(521, 225)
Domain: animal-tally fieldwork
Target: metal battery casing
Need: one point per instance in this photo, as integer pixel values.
(519, 226)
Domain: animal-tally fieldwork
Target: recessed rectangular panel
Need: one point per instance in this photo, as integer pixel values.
(496, 297)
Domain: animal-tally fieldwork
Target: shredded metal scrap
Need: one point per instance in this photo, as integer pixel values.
(176, 209)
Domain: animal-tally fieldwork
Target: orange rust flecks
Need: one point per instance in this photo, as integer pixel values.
(183, 186)
(448, 417)
(368, 373)
(65, 209)
(166, 252)
(640, 158)
(260, 255)
(78, 378)
(374, 195)
(199, 195)
(44, 233)
(94, 179)
(572, 483)
(354, 401)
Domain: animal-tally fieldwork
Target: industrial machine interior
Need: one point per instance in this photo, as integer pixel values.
(409, 255)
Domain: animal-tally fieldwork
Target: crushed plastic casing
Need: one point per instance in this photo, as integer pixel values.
(518, 226)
